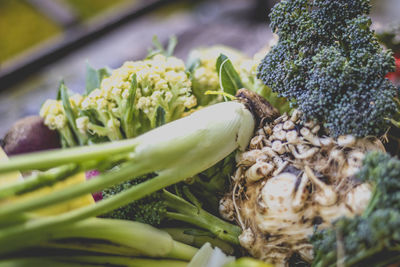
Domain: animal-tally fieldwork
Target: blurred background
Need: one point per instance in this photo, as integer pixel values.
(44, 41)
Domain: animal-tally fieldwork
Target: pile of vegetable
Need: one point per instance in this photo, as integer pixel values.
(183, 162)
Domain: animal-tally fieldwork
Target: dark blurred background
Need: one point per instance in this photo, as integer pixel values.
(43, 41)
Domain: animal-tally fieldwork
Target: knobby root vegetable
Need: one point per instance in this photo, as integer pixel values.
(292, 178)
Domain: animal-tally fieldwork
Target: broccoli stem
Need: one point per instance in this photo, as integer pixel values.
(197, 238)
(37, 180)
(376, 195)
(189, 213)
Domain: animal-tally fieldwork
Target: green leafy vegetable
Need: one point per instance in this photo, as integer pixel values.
(94, 77)
(228, 77)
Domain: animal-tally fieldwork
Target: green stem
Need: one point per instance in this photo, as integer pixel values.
(354, 259)
(97, 129)
(43, 261)
(141, 238)
(84, 245)
(49, 159)
(376, 194)
(68, 136)
(199, 217)
(126, 172)
(128, 107)
(114, 132)
(15, 237)
(197, 238)
(38, 180)
(131, 262)
(79, 261)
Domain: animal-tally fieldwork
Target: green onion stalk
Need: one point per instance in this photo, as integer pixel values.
(134, 238)
(174, 152)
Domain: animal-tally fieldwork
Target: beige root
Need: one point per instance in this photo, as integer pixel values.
(292, 178)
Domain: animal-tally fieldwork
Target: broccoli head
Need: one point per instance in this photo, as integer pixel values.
(150, 210)
(328, 63)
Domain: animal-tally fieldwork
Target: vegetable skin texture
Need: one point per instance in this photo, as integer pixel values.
(293, 178)
(329, 63)
(372, 238)
(175, 151)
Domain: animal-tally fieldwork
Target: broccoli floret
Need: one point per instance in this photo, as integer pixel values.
(328, 62)
(148, 210)
(372, 239)
(161, 207)
(384, 172)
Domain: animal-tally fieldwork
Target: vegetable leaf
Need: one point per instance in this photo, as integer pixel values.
(94, 77)
(228, 77)
(159, 48)
(160, 116)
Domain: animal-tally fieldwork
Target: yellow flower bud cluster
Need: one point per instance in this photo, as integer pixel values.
(160, 81)
(52, 112)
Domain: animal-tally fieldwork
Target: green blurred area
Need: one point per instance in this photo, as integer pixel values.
(22, 27)
(90, 8)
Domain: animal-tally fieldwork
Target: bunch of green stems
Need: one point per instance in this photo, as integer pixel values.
(174, 152)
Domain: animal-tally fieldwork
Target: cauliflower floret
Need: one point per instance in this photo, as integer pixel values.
(204, 74)
(145, 90)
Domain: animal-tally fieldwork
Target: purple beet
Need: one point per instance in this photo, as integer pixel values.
(89, 175)
(29, 134)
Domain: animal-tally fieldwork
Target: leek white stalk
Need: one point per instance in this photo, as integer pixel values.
(193, 143)
(175, 151)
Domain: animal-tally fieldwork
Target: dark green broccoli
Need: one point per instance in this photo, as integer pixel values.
(372, 239)
(160, 207)
(329, 63)
(210, 185)
(384, 172)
